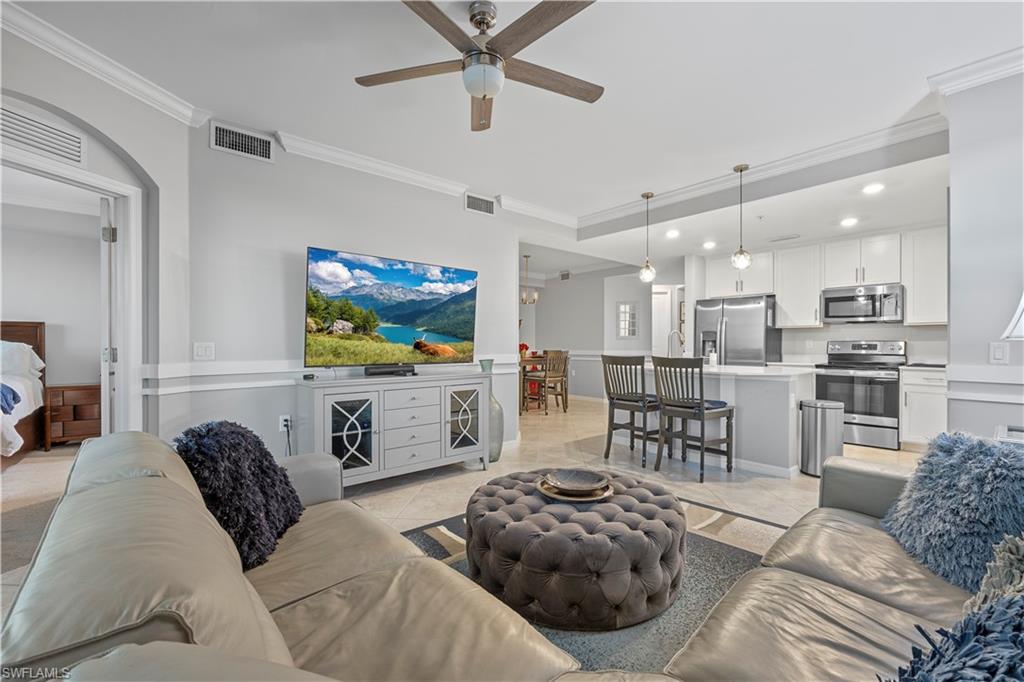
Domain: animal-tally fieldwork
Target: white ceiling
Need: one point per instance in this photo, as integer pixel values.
(691, 88)
(26, 189)
(914, 196)
(546, 262)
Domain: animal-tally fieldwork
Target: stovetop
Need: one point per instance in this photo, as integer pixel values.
(858, 365)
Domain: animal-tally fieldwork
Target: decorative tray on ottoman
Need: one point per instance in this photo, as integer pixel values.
(575, 485)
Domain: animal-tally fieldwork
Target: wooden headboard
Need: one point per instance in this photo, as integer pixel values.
(33, 334)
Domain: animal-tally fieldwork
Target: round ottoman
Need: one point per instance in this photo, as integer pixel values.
(577, 566)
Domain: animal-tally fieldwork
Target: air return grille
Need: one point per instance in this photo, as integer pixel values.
(28, 132)
(479, 204)
(241, 142)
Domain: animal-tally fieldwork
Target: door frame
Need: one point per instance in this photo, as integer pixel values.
(127, 216)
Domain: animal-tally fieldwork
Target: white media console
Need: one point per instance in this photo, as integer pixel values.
(386, 426)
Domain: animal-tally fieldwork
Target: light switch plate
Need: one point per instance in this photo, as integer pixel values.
(998, 353)
(203, 350)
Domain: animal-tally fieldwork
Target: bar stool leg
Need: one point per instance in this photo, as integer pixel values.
(632, 431)
(702, 423)
(686, 435)
(661, 441)
(643, 441)
(611, 420)
(728, 444)
(671, 426)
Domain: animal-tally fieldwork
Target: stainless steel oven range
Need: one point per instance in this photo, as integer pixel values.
(865, 377)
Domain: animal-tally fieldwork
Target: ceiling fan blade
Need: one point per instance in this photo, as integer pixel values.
(440, 22)
(547, 15)
(410, 73)
(555, 81)
(480, 113)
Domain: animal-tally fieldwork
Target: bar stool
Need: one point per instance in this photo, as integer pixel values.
(626, 388)
(679, 388)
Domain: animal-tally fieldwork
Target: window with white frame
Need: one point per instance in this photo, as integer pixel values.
(625, 320)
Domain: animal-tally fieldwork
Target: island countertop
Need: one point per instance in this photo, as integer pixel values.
(769, 372)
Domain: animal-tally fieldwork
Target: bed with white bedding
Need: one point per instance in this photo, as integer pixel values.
(22, 371)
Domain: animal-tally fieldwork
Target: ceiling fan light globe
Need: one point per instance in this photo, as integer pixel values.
(742, 259)
(483, 80)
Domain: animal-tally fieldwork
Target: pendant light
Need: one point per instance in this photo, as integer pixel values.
(647, 272)
(742, 259)
(525, 297)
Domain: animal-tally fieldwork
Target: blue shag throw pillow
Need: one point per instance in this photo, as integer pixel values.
(248, 493)
(984, 645)
(966, 494)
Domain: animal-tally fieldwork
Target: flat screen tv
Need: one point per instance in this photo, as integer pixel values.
(367, 310)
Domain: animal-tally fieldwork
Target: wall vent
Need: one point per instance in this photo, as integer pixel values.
(28, 132)
(241, 142)
(564, 275)
(479, 204)
(784, 238)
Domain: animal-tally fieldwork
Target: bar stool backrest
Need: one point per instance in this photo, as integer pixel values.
(556, 362)
(679, 382)
(624, 377)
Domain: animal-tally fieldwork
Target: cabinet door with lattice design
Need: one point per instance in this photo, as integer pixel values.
(353, 427)
(463, 432)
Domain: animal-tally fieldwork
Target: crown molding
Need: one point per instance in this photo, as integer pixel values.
(19, 22)
(534, 211)
(367, 164)
(1002, 65)
(878, 139)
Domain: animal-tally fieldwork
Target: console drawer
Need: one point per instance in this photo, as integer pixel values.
(412, 416)
(413, 435)
(398, 457)
(412, 397)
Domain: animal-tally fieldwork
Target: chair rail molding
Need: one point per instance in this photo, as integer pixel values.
(27, 26)
(996, 67)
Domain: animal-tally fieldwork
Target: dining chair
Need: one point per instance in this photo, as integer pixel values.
(679, 387)
(626, 387)
(557, 377)
(533, 373)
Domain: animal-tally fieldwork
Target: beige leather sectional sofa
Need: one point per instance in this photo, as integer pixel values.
(137, 579)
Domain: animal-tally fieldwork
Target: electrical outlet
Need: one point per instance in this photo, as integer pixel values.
(203, 350)
(284, 422)
(998, 353)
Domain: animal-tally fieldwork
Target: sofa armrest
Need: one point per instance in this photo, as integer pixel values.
(860, 486)
(316, 477)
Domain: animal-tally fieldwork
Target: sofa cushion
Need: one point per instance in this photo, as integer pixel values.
(852, 551)
(416, 620)
(780, 625)
(1004, 576)
(134, 561)
(127, 454)
(174, 662)
(332, 542)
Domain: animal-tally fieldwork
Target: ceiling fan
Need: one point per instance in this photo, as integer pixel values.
(487, 60)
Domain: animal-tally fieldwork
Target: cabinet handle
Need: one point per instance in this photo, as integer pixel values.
(411, 398)
(413, 418)
(412, 437)
(905, 395)
(856, 275)
(863, 274)
(815, 314)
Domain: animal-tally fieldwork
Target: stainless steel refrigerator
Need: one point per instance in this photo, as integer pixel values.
(741, 330)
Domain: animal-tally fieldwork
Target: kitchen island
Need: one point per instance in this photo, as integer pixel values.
(767, 423)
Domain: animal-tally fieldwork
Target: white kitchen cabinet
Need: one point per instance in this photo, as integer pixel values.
(722, 279)
(880, 259)
(922, 404)
(798, 287)
(870, 260)
(925, 269)
(842, 263)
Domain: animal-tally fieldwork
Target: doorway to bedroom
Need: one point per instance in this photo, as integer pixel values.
(57, 313)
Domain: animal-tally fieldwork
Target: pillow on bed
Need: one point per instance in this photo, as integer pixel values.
(20, 359)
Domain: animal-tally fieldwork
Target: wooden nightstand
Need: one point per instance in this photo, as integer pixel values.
(72, 413)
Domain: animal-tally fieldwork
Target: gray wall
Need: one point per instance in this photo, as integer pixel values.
(986, 252)
(627, 288)
(570, 314)
(51, 273)
(528, 324)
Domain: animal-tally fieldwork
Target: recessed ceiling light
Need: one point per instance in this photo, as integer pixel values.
(709, 245)
(848, 222)
(873, 188)
(672, 234)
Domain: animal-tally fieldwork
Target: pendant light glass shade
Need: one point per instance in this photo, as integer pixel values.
(741, 259)
(647, 272)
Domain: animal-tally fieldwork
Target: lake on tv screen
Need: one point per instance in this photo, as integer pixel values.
(369, 310)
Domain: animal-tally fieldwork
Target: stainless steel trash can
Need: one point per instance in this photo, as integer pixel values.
(821, 433)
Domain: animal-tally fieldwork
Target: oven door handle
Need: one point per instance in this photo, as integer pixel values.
(880, 375)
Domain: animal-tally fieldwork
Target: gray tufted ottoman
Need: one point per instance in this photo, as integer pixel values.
(577, 566)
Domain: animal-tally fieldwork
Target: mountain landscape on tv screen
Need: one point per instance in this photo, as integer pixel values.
(363, 310)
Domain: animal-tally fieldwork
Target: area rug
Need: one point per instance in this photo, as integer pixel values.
(711, 569)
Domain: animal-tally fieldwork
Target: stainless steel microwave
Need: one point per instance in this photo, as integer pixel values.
(874, 303)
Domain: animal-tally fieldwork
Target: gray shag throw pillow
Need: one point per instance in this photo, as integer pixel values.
(966, 494)
(1004, 576)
